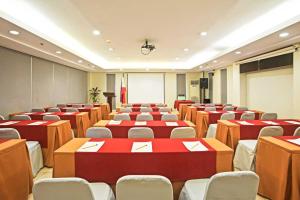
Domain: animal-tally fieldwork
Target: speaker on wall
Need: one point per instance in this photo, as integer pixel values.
(204, 83)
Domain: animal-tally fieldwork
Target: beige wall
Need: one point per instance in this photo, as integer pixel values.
(217, 86)
(28, 82)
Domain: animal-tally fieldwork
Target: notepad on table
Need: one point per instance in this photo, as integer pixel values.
(91, 147)
(244, 123)
(249, 111)
(171, 123)
(145, 113)
(37, 123)
(214, 111)
(68, 113)
(270, 122)
(231, 111)
(28, 113)
(113, 122)
(195, 146)
(47, 113)
(295, 141)
(164, 113)
(293, 122)
(141, 147)
(140, 123)
(9, 123)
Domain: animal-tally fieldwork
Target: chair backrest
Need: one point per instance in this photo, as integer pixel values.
(98, 132)
(1, 117)
(183, 132)
(227, 104)
(227, 116)
(161, 105)
(51, 118)
(241, 108)
(144, 117)
(126, 110)
(9, 133)
(21, 117)
(247, 116)
(210, 105)
(146, 109)
(232, 185)
(146, 187)
(54, 109)
(228, 108)
(165, 109)
(210, 109)
(297, 132)
(61, 105)
(145, 105)
(271, 131)
(62, 188)
(72, 110)
(140, 132)
(128, 105)
(120, 117)
(169, 117)
(37, 110)
(269, 116)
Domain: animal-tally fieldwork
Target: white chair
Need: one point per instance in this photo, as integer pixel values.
(72, 110)
(241, 108)
(227, 104)
(98, 132)
(128, 105)
(54, 109)
(144, 187)
(212, 129)
(1, 117)
(210, 109)
(20, 117)
(244, 158)
(145, 105)
(169, 117)
(34, 148)
(126, 110)
(77, 105)
(247, 116)
(269, 116)
(183, 132)
(37, 110)
(297, 132)
(61, 105)
(222, 186)
(140, 132)
(51, 118)
(122, 117)
(165, 109)
(210, 105)
(229, 108)
(146, 109)
(71, 188)
(161, 105)
(144, 117)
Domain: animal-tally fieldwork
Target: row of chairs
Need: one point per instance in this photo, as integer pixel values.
(145, 117)
(145, 109)
(146, 105)
(226, 185)
(76, 105)
(228, 108)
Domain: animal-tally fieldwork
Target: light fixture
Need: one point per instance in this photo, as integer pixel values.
(200, 67)
(176, 58)
(13, 32)
(110, 49)
(58, 52)
(96, 32)
(80, 61)
(215, 61)
(186, 49)
(147, 48)
(238, 52)
(147, 69)
(203, 33)
(118, 58)
(284, 34)
(107, 41)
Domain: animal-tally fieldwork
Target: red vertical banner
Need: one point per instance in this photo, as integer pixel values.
(123, 91)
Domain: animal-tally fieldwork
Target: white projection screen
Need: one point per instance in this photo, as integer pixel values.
(146, 88)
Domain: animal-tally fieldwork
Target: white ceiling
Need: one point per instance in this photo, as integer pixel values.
(171, 25)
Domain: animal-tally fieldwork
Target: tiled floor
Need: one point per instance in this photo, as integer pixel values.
(47, 173)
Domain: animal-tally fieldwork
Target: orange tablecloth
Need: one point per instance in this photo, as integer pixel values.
(278, 164)
(15, 170)
(65, 160)
(105, 110)
(94, 113)
(183, 110)
(156, 115)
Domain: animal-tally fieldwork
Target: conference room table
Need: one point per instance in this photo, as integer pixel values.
(79, 120)
(138, 109)
(230, 132)
(140, 105)
(205, 118)
(156, 115)
(94, 113)
(16, 178)
(277, 165)
(177, 103)
(168, 157)
(50, 134)
(161, 129)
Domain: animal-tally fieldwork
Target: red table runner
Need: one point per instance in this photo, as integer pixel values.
(169, 158)
(286, 138)
(31, 132)
(156, 115)
(252, 131)
(160, 129)
(138, 109)
(213, 117)
(139, 105)
(3, 140)
(178, 102)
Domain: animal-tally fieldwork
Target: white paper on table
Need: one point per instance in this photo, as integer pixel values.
(124, 114)
(141, 147)
(244, 123)
(163, 113)
(171, 123)
(113, 122)
(145, 113)
(68, 113)
(91, 147)
(293, 122)
(195, 146)
(140, 123)
(249, 111)
(295, 141)
(47, 113)
(28, 113)
(230, 111)
(270, 122)
(214, 111)
(37, 123)
(9, 123)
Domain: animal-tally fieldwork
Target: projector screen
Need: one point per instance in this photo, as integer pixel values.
(146, 88)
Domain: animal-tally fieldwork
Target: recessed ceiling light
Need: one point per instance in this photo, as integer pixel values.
(96, 32)
(186, 49)
(284, 34)
(121, 69)
(203, 33)
(107, 41)
(200, 67)
(13, 32)
(176, 58)
(92, 66)
(110, 49)
(215, 61)
(80, 61)
(147, 69)
(118, 58)
(58, 52)
(238, 52)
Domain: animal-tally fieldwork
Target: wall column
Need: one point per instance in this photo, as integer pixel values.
(296, 85)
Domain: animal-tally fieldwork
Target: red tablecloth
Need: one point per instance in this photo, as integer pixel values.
(287, 138)
(169, 158)
(160, 129)
(3, 140)
(213, 117)
(138, 109)
(139, 105)
(31, 132)
(178, 102)
(218, 108)
(252, 131)
(82, 109)
(156, 115)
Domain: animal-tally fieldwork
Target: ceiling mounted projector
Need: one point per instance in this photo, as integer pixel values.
(147, 48)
